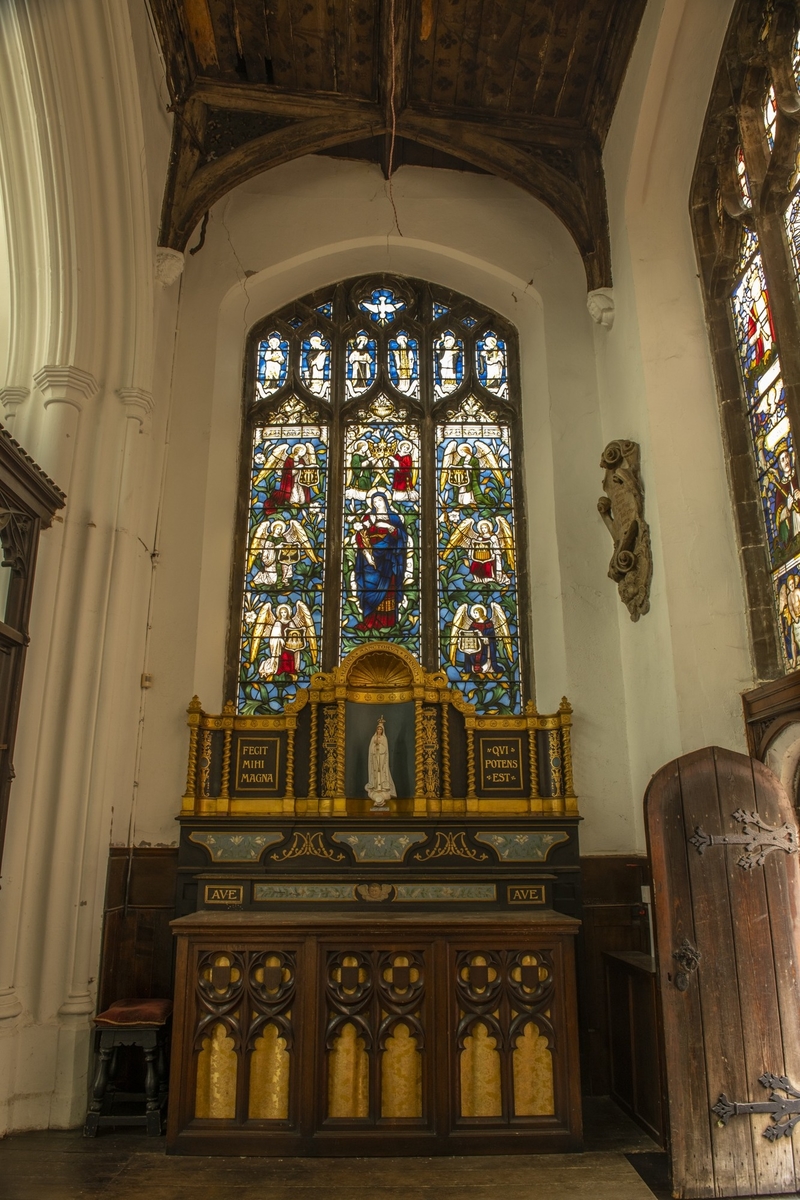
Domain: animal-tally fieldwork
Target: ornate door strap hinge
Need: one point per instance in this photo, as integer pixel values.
(759, 841)
(688, 958)
(784, 1110)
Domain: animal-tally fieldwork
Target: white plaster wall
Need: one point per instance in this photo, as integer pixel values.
(684, 664)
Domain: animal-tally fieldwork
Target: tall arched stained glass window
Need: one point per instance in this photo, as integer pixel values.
(746, 212)
(380, 493)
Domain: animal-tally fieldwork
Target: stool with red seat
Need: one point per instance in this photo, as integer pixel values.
(141, 1023)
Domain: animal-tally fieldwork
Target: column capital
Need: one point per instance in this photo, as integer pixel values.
(65, 385)
(11, 397)
(138, 403)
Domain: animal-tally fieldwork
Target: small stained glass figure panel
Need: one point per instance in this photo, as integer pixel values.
(272, 364)
(362, 363)
(403, 363)
(448, 363)
(491, 362)
(380, 532)
(477, 560)
(315, 365)
(284, 570)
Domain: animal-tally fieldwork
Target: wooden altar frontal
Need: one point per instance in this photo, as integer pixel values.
(352, 981)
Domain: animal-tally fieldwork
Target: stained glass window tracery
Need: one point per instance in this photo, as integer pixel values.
(761, 309)
(403, 398)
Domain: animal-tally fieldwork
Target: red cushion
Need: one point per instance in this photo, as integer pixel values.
(135, 1012)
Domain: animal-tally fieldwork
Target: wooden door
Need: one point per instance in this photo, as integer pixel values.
(723, 847)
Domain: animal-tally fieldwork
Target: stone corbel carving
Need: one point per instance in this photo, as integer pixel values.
(169, 265)
(600, 304)
(622, 510)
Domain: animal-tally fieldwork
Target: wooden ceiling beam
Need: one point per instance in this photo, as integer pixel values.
(395, 32)
(248, 97)
(568, 179)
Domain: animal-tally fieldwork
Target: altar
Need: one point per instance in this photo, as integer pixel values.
(365, 977)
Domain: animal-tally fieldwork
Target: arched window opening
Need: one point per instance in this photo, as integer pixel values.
(746, 212)
(381, 494)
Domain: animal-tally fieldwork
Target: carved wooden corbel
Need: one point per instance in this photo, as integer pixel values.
(622, 510)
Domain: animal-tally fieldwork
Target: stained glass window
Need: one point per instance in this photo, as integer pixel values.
(770, 430)
(478, 611)
(401, 397)
(770, 115)
(754, 256)
(285, 568)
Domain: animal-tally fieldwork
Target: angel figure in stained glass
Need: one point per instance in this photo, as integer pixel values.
(299, 473)
(492, 363)
(278, 546)
(462, 465)
(404, 476)
(488, 548)
(381, 562)
(789, 605)
(404, 360)
(787, 496)
(288, 633)
(476, 634)
(361, 469)
(272, 359)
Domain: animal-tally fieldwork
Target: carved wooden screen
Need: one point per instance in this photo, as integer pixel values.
(381, 494)
(726, 887)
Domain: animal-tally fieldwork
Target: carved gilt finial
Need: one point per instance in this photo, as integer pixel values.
(622, 510)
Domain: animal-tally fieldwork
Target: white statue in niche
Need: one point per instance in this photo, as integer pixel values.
(380, 785)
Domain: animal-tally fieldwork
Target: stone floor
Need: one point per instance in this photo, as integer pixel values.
(127, 1165)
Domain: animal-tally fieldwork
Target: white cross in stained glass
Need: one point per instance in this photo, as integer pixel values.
(382, 307)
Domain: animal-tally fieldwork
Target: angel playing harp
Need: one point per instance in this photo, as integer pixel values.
(299, 473)
(278, 546)
(287, 634)
(476, 635)
(460, 475)
(488, 549)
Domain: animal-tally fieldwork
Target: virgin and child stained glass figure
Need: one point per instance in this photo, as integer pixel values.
(345, 392)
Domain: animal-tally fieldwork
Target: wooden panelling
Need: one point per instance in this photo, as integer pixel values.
(137, 950)
(613, 919)
(634, 1039)
(488, 1000)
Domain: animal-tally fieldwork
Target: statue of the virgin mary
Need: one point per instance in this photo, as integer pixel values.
(380, 785)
